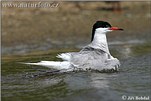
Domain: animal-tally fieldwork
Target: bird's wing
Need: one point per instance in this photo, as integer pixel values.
(65, 56)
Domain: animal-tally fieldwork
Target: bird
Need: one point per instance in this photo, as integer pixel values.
(94, 56)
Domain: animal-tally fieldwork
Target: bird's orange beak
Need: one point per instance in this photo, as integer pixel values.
(115, 28)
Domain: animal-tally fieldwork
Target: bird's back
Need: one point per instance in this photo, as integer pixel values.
(89, 57)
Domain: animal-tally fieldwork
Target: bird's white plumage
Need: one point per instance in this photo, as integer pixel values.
(100, 40)
(52, 64)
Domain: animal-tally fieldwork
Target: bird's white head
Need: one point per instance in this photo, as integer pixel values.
(102, 27)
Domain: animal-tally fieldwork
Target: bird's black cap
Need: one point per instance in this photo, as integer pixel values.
(99, 24)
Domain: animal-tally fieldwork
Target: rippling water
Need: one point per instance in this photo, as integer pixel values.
(32, 83)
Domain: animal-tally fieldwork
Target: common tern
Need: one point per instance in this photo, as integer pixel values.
(94, 56)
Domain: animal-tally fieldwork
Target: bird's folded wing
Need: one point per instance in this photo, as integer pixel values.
(64, 56)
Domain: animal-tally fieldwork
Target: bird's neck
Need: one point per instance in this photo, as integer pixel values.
(100, 41)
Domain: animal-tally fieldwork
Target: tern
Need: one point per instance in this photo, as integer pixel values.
(95, 56)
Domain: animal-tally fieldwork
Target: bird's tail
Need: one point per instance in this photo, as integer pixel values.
(53, 64)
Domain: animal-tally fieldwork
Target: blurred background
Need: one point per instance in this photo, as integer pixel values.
(32, 34)
(67, 25)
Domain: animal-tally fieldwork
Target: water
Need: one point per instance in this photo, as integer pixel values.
(32, 83)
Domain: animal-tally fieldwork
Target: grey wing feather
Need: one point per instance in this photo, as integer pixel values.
(89, 58)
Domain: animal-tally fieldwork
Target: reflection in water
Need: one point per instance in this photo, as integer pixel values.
(48, 82)
(78, 81)
(99, 80)
(86, 80)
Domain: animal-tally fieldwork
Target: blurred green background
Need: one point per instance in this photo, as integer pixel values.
(68, 25)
